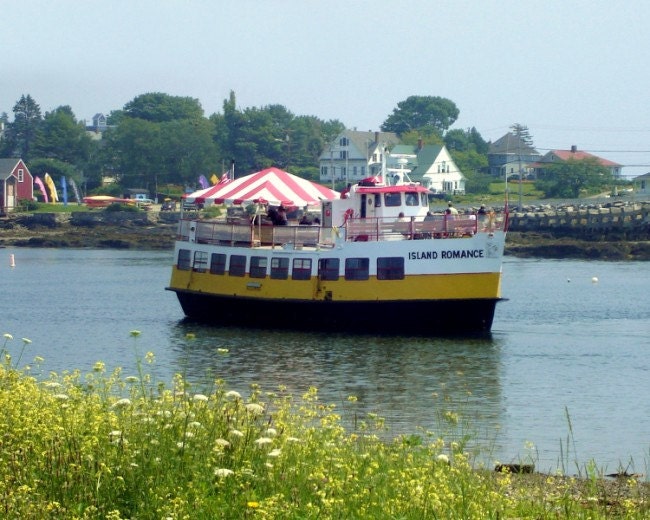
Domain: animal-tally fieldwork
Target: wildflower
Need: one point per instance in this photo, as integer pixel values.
(38, 359)
(131, 379)
(115, 433)
(99, 366)
(443, 458)
(233, 394)
(223, 472)
(352, 398)
(122, 403)
(149, 357)
(135, 333)
(8, 336)
(223, 443)
(200, 397)
(293, 439)
(236, 433)
(275, 452)
(254, 408)
(253, 505)
(271, 432)
(222, 350)
(263, 441)
(26, 341)
(61, 397)
(52, 384)
(194, 424)
(189, 435)
(190, 335)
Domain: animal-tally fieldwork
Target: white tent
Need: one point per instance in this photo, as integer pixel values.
(273, 186)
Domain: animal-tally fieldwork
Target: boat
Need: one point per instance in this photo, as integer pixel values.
(373, 260)
(102, 201)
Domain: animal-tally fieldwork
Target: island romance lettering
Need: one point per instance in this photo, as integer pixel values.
(446, 254)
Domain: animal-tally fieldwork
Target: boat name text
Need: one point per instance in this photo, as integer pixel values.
(453, 254)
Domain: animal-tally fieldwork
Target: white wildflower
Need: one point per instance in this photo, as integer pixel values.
(222, 442)
(61, 397)
(236, 433)
(255, 408)
(122, 403)
(263, 441)
(233, 394)
(271, 432)
(223, 472)
(275, 452)
(443, 458)
(200, 397)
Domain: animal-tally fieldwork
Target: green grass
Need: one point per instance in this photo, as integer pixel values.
(112, 445)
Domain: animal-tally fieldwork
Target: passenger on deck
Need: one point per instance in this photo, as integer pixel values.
(281, 219)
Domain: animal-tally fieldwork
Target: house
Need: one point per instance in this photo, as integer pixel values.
(354, 155)
(556, 156)
(16, 184)
(429, 164)
(99, 126)
(511, 156)
(642, 184)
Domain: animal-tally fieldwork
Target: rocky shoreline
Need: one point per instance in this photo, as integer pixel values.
(161, 235)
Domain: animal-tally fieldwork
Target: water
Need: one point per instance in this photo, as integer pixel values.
(564, 378)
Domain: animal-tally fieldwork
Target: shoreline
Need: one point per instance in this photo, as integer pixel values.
(161, 236)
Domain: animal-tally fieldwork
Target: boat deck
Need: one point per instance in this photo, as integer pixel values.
(245, 234)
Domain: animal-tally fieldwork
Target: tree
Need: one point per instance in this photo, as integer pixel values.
(158, 108)
(522, 132)
(567, 179)
(422, 113)
(24, 131)
(62, 137)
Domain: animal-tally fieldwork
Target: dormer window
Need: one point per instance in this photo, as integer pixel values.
(21, 175)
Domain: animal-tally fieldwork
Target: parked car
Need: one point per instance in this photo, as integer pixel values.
(168, 205)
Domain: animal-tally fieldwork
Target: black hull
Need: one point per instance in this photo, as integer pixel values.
(430, 317)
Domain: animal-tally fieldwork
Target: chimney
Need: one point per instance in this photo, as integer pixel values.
(376, 137)
(420, 144)
(574, 148)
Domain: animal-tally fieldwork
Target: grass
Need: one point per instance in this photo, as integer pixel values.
(116, 446)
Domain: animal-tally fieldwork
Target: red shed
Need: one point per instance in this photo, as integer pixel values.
(16, 184)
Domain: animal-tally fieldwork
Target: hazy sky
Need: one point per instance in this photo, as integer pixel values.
(574, 71)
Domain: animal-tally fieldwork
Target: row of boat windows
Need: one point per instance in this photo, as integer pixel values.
(278, 268)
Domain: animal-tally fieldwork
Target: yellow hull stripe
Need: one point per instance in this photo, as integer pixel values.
(414, 287)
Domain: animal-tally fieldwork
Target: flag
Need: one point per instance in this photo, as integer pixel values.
(225, 178)
(41, 186)
(64, 188)
(203, 182)
(51, 187)
(75, 190)
(214, 179)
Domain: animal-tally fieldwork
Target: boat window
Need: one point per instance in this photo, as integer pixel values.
(328, 268)
(377, 200)
(301, 269)
(390, 268)
(200, 261)
(393, 199)
(279, 268)
(412, 199)
(237, 265)
(424, 200)
(184, 259)
(356, 268)
(218, 263)
(258, 267)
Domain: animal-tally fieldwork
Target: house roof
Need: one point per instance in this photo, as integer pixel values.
(511, 143)
(578, 155)
(642, 177)
(7, 166)
(425, 156)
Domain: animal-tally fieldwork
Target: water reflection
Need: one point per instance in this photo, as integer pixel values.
(402, 379)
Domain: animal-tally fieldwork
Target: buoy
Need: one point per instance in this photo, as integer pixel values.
(12, 261)
(594, 279)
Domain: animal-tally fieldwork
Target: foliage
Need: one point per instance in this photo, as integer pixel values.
(27, 205)
(422, 113)
(63, 138)
(567, 179)
(522, 132)
(118, 206)
(157, 107)
(22, 134)
(113, 445)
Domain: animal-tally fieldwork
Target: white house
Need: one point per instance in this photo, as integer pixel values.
(354, 155)
(431, 165)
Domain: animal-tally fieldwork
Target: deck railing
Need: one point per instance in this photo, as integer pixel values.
(213, 231)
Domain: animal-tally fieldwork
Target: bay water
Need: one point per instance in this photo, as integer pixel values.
(563, 380)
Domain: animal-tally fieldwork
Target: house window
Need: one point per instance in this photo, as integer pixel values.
(184, 259)
(343, 154)
(344, 141)
(258, 267)
(390, 268)
(200, 261)
(363, 171)
(301, 269)
(354, 171)
(328, 269)
(218, 263)
(279, 268)
(357, 268)
(237, 265)
(21, 175)
(323, 171)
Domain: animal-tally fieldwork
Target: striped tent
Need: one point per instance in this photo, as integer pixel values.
(272, 186)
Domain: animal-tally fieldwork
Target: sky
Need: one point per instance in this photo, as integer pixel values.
(574, 72)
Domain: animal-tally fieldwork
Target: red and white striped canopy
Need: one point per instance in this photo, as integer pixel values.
(273, 186)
